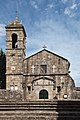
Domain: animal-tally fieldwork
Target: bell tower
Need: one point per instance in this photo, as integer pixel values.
(15, 54)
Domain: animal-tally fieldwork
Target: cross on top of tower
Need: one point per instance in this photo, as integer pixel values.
(16, 11)
(44, 47)
(16, 15)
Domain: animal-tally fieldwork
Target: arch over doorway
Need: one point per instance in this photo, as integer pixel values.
(43, 94)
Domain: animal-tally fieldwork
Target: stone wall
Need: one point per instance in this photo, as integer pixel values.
(8, 95)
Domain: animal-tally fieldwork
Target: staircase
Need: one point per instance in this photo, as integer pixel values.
(32, 110)
(40, 110)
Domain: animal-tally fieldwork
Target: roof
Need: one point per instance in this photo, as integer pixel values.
(16, 24)
(77, 88)
(48, 52)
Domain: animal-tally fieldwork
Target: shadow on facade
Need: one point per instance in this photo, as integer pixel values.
(68, 110)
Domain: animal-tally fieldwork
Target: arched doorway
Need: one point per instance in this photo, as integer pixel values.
(43, 94)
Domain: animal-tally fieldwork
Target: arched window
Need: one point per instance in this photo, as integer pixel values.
(43, 94)
(14, 40)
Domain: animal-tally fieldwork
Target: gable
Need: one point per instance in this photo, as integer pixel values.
(48, 52)
(46, 62)
(45, 55)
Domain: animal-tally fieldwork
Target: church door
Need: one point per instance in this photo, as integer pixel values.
(43, 94)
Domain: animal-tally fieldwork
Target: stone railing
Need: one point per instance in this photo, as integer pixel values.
(7, 95)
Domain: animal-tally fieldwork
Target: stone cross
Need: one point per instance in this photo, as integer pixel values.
(44, 46)
(53, 67)
(32, 68)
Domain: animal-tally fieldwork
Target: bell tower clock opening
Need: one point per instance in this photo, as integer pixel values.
(15, 54)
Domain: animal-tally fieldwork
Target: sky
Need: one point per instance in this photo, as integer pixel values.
(54, 23)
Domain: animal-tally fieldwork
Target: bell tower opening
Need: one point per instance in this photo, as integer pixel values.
(14, 41)
(43, 94)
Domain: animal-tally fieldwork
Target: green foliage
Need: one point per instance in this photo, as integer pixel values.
(2, 70)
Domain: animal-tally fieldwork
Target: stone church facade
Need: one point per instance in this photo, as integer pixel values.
(44, 75)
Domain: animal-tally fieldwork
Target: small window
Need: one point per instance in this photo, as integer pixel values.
(58, 89)
(16, 87)
(29, 88)
(43, 69)
(11, 87)
(59, 61)
(14, 40)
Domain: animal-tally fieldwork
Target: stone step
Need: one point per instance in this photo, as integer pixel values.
(40, 110)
